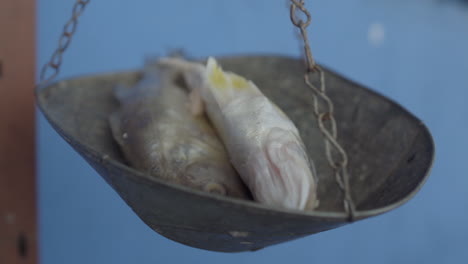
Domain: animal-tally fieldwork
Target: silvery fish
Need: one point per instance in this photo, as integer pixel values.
(263, 143)
(158, 135)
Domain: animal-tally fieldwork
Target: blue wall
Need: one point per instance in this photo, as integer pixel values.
(414, 51)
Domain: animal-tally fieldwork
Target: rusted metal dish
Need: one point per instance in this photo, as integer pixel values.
(390, 154)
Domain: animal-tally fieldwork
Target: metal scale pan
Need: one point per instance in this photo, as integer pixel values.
(390, 154)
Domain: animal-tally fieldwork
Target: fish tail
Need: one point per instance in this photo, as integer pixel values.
(151, 67)
(122, 92)
(192, 72)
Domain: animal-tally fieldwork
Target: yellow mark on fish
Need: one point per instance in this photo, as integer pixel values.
(238, 82)
(217, 77)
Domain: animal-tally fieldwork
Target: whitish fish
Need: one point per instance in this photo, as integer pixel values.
(263, 143)
(158, 135)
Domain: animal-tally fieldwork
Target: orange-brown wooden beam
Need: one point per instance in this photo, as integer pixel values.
(18, 233)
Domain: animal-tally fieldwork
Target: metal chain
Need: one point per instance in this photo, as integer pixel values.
(324, 110)
(65, 39)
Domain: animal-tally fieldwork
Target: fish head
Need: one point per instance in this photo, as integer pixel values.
(284, 175)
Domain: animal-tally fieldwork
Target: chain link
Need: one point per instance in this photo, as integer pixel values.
(324, 110)
(65, 39)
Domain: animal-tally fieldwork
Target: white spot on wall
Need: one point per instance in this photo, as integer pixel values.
(376, 34)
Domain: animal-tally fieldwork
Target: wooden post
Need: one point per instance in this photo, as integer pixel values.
(18, 234)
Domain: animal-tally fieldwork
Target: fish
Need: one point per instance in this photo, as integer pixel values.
(158, 135)
(263, 144)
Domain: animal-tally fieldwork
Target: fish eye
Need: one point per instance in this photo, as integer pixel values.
(213, 187)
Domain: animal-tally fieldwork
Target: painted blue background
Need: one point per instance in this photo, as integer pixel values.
(422, 63)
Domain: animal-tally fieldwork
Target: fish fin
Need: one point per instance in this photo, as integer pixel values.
(225, 85)
(216, 76)
(224, 79)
